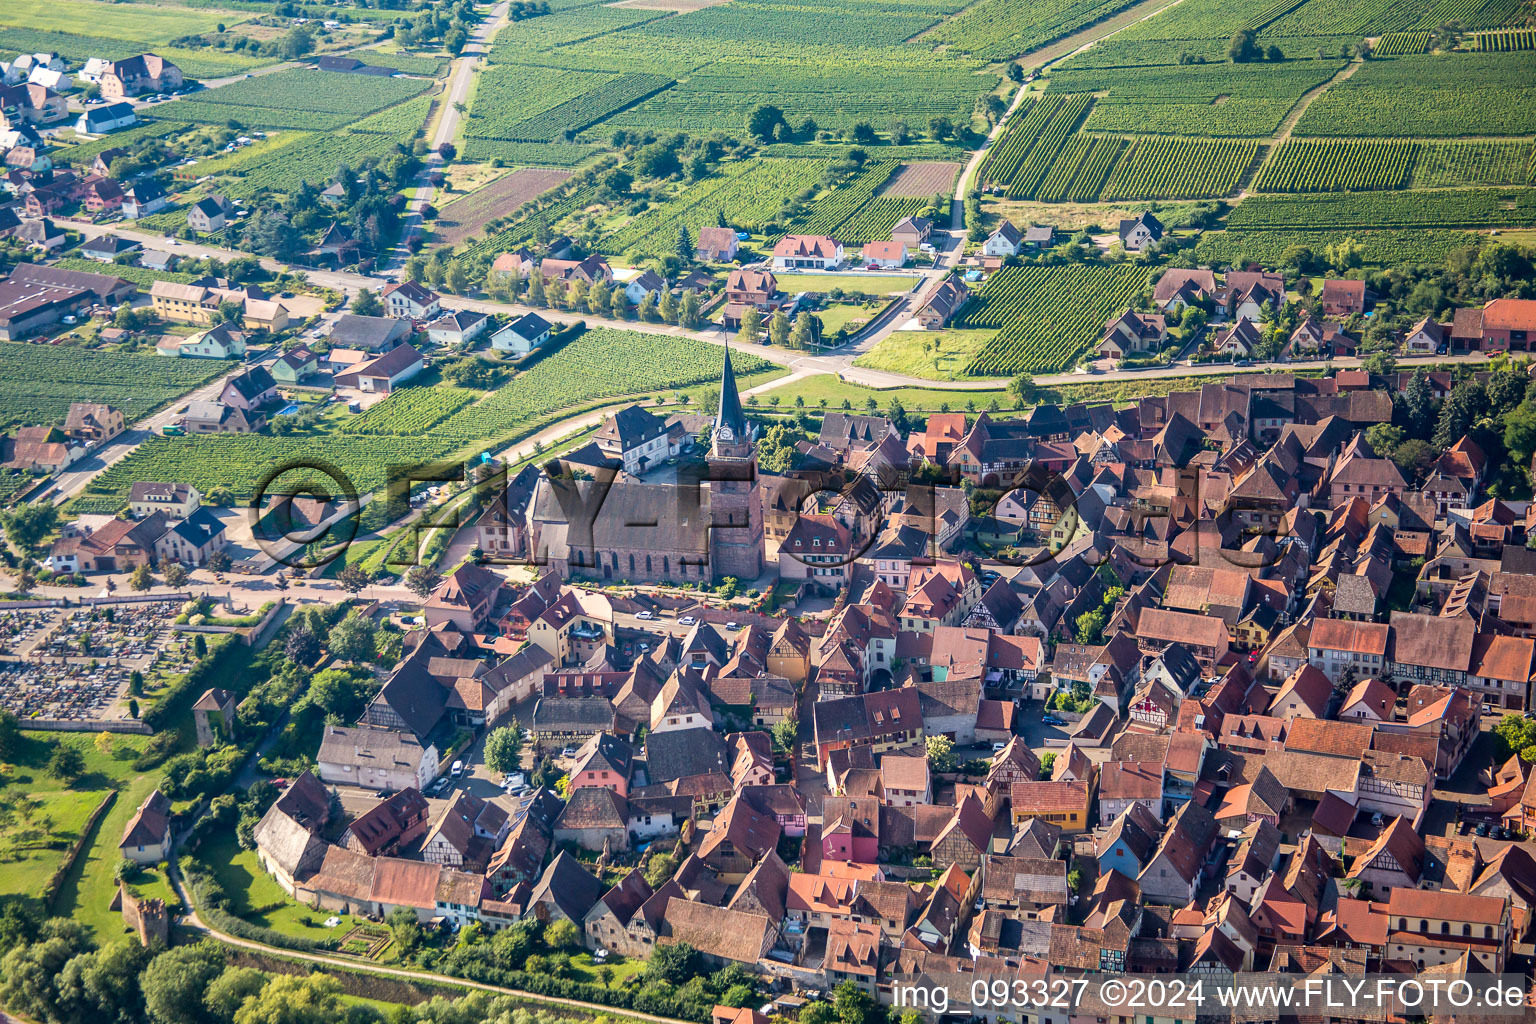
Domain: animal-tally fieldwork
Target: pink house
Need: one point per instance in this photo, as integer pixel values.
(850, 829)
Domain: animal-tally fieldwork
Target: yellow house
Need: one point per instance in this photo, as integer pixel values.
(196, 304)
(1064, 804)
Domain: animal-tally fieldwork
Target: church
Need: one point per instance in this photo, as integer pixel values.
(697, 522)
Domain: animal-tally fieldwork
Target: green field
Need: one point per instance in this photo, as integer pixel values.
(1045, 317)
(88, 889)
(934, 355)
(871, 284)
(300, 98)
(38, 382)
(136, 23)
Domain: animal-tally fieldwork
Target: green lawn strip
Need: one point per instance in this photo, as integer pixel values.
(257, 898)
(933, 355)
(870, 284)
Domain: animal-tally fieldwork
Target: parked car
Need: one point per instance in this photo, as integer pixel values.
(732, 626)
(645, 614)
(457, 771)
(1053, 720)
(687, 620)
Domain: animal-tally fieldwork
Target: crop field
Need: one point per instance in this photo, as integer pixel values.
(403, 62)
(1474, 163)
(1444, 208)
(858, 210)
(923, 180)
(314, 156)
(1080, 171)
(1218, 99)
(507, 95)
(747, 192)
(562, 28)
(602, 363)
(302, 99)
(803, 23)
(1022, 157)
(81, 156)
(1376, 247)
(1399, 44)
(1376, 17)
(134, 24)
(1506, 42)
(410, 412)
(587, 109)
(999, 29)
(466, 216)
(836, 89)
(537, 154)
(1046, 317)
(38, 382)
(554, 208)
(1307, 165)
(1434, 96)
(1180, 168)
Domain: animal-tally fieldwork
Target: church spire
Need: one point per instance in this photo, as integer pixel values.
(729, 418)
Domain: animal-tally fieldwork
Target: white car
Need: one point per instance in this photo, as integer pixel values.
(687, 620)
(647, 615)
(457, 770)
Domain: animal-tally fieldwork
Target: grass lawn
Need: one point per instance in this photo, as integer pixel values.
(846, 314)
(935, 355)
(869, 284)
(254, 896)
(89, 888)
(141, 23)
(623, 968)
(835, 390)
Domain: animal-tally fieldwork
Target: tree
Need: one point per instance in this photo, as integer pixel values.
(659, 869)
(667, 308)
(456, 278)
(763, 121)
(562, 934)
(353, 579)
(175, 574)
(296, 999)
(421, 580)
(352, 638)
(200, 646)
(684, 244)
(674, 962)
(10, 735)
(175, 981)
(618, 305)
(231, 989)
(1274, 54)
(1022, 390)
(368, 303)
(405, 929)
(503, 749)
(301, 646)
(778, 329)
(28, 525)
(142, 578)
(599, 296)
(751, 331)
(270, 234)
(1244, 47)
(941, 753)
(688, 311)
(940, 128)
(1464, 406)
(536, 296)
(786, 733)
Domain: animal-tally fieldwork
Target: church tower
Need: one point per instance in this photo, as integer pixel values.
(735, 500)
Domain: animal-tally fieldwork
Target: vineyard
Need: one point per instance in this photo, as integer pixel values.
(38, 382)
(534, 154)
(598, 365)
(1160, 168)
(854, 213)
(777, 23)
(746, 192)
(314, 156)
(999, 29)
(1379, 248)
(1023, 156)
(1379, 17)
(587, 109)
(1399, 44)
(1474, 163)
(1307, 165)
(82, 155)
(1445, 208)
(1079, 173)
(1448, 95)
(1220, 100)
(467, 216)
(516, 41)
(1046, 317)
(602, 363)
(571, 198)
(301, 99)
(410, 412)
(1506, 42)
(507, 95)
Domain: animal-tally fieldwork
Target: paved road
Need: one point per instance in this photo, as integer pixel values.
(456, 93)
(191, 920)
